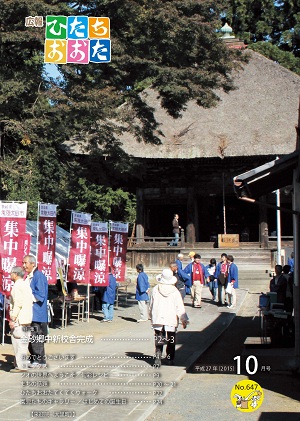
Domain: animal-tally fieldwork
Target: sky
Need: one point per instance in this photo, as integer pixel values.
(51, 70)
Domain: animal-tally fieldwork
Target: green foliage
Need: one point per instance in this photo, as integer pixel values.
(21, 182)
(277, 22)
(103, 202)
(171, 45)
(284, 58)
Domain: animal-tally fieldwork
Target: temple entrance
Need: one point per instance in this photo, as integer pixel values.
(158, 219)
(207, 219)
(241, 218)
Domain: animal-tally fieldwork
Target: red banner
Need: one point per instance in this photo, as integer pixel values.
(79, 255)
(46, 241)
(11, 258)
(15, 243)
(118, 246)
(99, 254)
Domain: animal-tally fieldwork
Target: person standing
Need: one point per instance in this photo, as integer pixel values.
(166, 311)
(289, 302)
(222, 277)
(176, 230)
(180, 284)
(278, 284)
(108, 298)
(142, 290)
(212, 280)
(291, 262)
(20, 317)
(178, 262)
(233, 281)
(39, 287)
(197, 272)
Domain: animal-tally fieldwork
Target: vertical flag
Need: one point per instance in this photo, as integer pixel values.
(118, 246)
(46, 241)
(79, 254)
(99, 254)
(15, 243)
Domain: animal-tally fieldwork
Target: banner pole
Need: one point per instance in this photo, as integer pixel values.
(69, 248)
(37, 234)
(109, 242)
(88, 287)
(89, 275)
(64, 316)
(3, 324)
(88, 303)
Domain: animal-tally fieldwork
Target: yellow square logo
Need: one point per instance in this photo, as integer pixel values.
(55, 51)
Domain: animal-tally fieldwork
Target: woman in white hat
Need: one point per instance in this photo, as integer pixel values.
(166, 311)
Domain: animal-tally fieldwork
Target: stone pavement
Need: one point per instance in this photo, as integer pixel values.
(106, 369)
(204, 393)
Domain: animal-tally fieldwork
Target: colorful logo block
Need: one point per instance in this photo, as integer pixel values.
(55, 51)
(77, 39)
(78, 27)
(100, 51)
(78, 51)
(99, 28)
(56, 27)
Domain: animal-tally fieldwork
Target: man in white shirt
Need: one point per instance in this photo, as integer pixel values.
(20, 317)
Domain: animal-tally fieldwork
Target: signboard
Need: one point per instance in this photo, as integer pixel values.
(228, 241)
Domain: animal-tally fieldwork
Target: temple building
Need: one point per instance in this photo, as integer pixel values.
(191, 171)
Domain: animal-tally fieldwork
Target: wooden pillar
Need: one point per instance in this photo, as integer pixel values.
(296, 229)
(192, 219)
(263, 224)
(140, 216)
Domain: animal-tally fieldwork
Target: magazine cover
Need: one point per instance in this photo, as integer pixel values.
(149, 210)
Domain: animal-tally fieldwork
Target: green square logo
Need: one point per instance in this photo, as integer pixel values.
(56, 27)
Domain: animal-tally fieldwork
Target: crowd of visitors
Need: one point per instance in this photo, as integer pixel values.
(167, 307)
(164, 305)
(28, 315)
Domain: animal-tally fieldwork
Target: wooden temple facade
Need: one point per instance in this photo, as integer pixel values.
(191, 171)
(200, 191)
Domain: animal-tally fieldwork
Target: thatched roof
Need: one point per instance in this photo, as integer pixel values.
(258, 118)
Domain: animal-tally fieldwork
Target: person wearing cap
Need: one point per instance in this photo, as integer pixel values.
(198, 273)
(166, 311)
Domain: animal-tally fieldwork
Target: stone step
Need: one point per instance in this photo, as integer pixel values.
(234, 251)
(210, 245)
(247, 278)
(259, 259)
